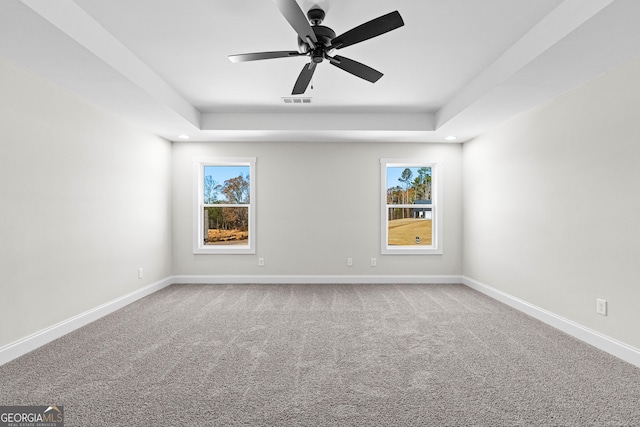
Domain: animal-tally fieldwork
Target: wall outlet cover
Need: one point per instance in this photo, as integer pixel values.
(601, 306)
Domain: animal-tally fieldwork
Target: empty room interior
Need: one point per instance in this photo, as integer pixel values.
(245, 213)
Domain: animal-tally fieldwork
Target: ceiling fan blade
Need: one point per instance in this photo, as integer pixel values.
(356, 68)
(304, 78)
(297, 19)
(244, 57)
(373, 28)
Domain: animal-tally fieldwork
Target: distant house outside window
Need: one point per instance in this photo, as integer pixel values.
(224, 206)
(411, 212)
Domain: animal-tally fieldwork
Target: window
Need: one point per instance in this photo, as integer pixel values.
(411, 214)
(224, 206)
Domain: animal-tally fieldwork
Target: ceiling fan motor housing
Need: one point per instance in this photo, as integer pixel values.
(323, 34)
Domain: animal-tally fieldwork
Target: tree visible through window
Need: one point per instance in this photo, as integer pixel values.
(225, 206)
(409, 207)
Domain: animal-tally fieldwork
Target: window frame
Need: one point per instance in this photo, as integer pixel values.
(436, 248)
(199, 164)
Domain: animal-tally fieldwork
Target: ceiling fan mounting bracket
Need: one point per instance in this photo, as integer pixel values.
(316, 16)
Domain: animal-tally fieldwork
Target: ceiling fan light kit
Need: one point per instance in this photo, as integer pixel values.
(319, 43)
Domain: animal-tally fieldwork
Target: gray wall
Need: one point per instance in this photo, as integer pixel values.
(551, 205)
(85, 200)
(317, 205)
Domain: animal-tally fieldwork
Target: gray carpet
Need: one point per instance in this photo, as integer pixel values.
(323, 355)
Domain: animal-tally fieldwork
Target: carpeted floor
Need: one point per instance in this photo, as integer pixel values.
(323, 355)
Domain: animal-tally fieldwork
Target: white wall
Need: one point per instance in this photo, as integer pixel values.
(551, 205)
(84, 200)
(317, 205)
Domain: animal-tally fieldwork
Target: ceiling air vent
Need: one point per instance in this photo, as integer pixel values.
(296, 100)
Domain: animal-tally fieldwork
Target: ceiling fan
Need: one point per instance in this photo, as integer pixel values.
(318, 43)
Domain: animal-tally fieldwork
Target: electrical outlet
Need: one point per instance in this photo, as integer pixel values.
(374, 262)
(601, 306)
(140, 272)
(349, 262)
(260, 262)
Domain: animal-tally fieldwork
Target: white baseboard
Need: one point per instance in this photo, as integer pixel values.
(274, 279)
(596, 339)
(40, 338)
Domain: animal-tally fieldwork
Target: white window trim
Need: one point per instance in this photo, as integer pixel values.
(436, 166)
(198, 205)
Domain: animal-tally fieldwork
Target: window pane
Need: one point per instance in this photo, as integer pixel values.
(226, 184)
(405, 185)
(226, 226)
(410, 227)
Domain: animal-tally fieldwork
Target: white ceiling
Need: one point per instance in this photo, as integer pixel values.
(457, 67)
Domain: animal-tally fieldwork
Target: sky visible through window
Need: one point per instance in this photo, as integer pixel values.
(222, 173)
(393, 173)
